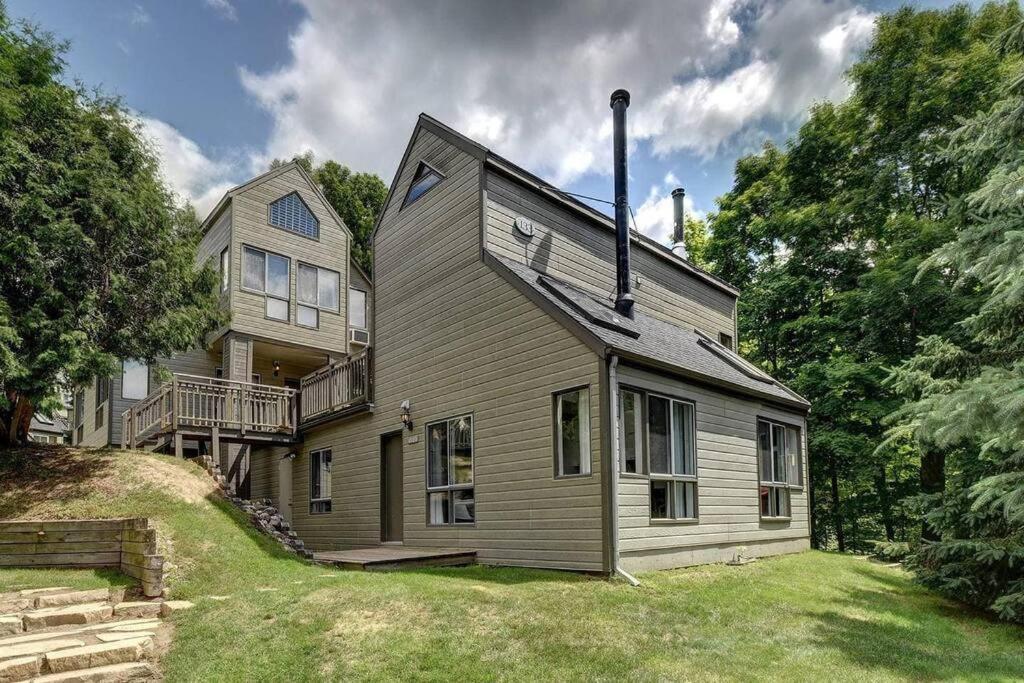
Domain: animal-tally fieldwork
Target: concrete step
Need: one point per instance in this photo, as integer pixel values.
(103, 654)
(89, 613)
(116, 673)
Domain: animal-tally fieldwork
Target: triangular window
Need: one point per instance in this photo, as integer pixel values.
(291, 213)
(425, 178)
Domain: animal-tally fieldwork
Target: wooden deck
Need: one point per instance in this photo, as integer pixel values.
(386, 557)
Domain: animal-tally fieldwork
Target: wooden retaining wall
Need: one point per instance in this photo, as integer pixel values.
(125, 544)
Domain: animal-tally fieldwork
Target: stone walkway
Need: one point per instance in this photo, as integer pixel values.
(79, 636)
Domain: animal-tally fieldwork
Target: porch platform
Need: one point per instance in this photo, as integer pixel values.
(385, 557)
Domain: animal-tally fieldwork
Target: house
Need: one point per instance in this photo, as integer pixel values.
(52, 430)
(549, 389)
(298, 309)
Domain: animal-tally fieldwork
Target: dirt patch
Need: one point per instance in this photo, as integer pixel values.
(389, 616)
(31, 476)
(168, 477)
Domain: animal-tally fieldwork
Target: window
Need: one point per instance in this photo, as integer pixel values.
(256, 378)
(572, 433)
(673, 461)
(102, 394)
(357, 308)
(425, 178)
(268, 274)
(225, 269)
(450, 471)
(320, 481)
(291, 213)
(780, 468)
(631, 430)
(725, 340)
(79, 416)
(134, 379)
(316, 288)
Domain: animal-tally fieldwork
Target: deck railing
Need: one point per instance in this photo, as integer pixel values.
(194, 402)
(336, 387)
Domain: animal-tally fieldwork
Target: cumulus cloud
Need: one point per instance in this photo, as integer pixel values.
(190, 173)
(654, 217)
(224, 8)
(532, 79)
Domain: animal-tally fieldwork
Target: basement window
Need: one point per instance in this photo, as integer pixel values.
(780, 467)
(320, 481)
(572, 432)
(426, 177)
(450, 498)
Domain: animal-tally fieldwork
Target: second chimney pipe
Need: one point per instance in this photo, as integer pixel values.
(678, 222)
(623, 296)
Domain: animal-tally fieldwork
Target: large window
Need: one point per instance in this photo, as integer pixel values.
(780, 466)
(450, 471)
(320, 481)
(134, 379)
(270, 275)
(316, 289)
(425, 178)
(225, 269)
(291, 213)
(665, 429)
(357, 308)
(572, 432)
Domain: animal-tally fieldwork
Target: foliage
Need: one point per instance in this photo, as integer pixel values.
(893, 551)
(967, 390)
(357, 197)
(96, 260)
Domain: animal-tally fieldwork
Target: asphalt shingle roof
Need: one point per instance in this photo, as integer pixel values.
(645, 337)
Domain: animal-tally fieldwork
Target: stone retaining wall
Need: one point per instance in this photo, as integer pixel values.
(125, 544)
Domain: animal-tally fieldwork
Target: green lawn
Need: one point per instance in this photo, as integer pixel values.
(813, 616)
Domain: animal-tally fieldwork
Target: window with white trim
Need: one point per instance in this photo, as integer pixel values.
(268, 274)
(357, 308)
(320, 481)
(631, 431)
(672, 458)
(450, 497)
(572, 432)
(134, 379)
(225, 269)
(780, 467)
(316, 289)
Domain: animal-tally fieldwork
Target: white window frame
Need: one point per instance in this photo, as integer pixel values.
(225, 269)
(777, 488)
(322, 504)
(676, 480)
(266, 278)
(143, 365)
(366, 307)
(584, 421)
(316, 307)
(638, 431)
(451, 487)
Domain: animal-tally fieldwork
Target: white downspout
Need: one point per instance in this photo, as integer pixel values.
(613, 400)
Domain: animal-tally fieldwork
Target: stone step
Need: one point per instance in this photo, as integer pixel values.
(38, 647)
(113, 637)
(120, 626)
(137, 609)
(79, 597)
(20, 669)
(116, 673)
(104, 654)
(89, 613)
(10, 625)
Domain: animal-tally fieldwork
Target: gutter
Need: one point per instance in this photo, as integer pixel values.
(613, 411)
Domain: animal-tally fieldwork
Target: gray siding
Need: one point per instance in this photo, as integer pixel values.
(92, 437)
(727, 486)
(582, 253)
(454, 338)
(250, 228)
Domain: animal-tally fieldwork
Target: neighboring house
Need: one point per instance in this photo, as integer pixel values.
(298, 313)
(53, 430)
(499, 365)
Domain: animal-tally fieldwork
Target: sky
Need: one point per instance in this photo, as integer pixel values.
(222, 87)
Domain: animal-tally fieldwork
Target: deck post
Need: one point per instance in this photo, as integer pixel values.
(174, 403)
(125, 426)
(215, 445)
(132, 443)
(244, 417)
(179, 451)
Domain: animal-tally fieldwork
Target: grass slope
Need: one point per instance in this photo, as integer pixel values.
(812, 616)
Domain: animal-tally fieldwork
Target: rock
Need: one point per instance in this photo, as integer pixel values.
(8, 605)
(117, 673)
(115, 636)
(138, 609)
(20, 669)
(103, 654)
(38, 647)
(171, 606)
(73, 598)
(77, 614)
(10, 626)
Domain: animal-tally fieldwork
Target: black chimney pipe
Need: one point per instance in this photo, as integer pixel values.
(623, 297)
(678, 216)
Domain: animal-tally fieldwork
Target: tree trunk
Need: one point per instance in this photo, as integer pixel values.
(884, 503)
(837, 513)
(15, 421)
(933, 481)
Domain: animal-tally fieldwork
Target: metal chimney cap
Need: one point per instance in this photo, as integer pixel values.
(678, 191)
(620, 94)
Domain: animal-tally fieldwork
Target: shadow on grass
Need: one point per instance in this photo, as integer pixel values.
(39, 472)
(917, 636)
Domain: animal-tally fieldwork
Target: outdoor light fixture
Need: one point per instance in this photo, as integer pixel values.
(406, 415)
(277, 368)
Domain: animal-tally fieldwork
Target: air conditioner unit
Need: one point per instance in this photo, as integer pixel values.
(359, 337)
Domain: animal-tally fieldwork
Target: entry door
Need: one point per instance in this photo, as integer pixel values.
(391, 488)
(284, 471)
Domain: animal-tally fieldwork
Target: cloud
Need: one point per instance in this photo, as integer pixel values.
(654, 217)
(532, 79)
(139, 16)
(224, 8)
(190, 173)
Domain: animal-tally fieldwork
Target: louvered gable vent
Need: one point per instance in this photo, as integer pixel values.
(291, 213)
